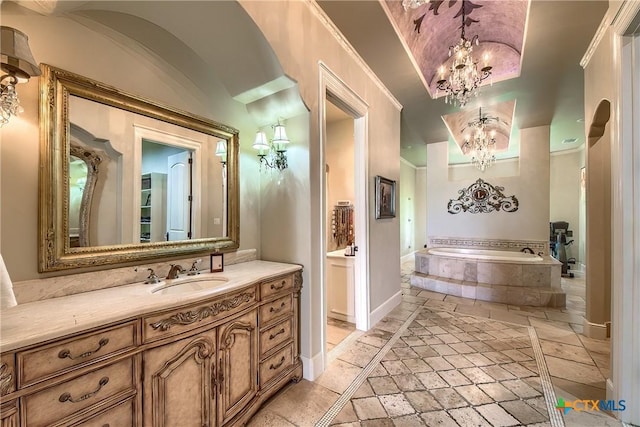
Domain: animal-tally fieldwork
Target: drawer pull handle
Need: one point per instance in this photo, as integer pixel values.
(272, 336)
(277, 365)
(66, 397)
(279, 309)
(275, 287)
(66, 353)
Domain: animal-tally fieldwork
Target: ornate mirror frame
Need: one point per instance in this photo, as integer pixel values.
(54, 251)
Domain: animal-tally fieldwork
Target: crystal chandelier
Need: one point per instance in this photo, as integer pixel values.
(480, 144)
(17, 65)
(464, 77)
(413, 4)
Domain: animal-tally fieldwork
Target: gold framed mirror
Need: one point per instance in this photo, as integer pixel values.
(125, 179)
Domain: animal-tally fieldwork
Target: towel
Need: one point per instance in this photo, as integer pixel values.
(7, 298)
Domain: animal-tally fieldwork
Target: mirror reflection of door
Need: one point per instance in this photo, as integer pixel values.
(165, 199)
(179, 196)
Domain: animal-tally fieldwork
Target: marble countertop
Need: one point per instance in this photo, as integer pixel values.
(38, 321)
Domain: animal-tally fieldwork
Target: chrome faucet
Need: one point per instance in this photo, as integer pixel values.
(175, 271)
(194, 268)
(527, 250)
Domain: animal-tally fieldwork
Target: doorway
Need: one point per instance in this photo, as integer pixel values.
(345, 281)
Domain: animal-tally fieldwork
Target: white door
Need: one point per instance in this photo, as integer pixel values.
(179, 196)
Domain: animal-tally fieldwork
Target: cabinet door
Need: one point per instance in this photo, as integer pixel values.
(238, 366)
(177, 383)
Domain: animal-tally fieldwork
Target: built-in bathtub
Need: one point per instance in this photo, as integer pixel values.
(485, 254)
(507, 277)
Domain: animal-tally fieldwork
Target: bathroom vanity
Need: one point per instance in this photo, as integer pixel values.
(202, 350)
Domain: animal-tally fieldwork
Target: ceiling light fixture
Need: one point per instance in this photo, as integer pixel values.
(17, 65)
(413, 4)
(464, 77)
(273, 154)
(481, 145)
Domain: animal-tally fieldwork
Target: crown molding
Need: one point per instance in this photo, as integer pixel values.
(619, 20)
(340, 38)
(407, 162)
(625, 15)
(597, 38)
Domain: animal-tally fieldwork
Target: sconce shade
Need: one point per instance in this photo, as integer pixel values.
(260, 143)
(221, 148)
(15, 55)
(280, 135)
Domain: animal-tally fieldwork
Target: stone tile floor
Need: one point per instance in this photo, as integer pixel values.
(337, 331)
(439, 360)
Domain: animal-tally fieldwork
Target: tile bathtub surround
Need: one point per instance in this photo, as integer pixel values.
(70, 284)
(499, 244)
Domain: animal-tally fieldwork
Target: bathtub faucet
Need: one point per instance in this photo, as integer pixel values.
(527, 250)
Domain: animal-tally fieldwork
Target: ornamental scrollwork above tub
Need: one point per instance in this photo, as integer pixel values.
(192, 316)
(482, 197)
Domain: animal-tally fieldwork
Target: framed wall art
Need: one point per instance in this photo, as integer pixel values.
(385, 198)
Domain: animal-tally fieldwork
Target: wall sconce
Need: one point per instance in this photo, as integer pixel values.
(221, 151)
(17, 65)
(273, 154)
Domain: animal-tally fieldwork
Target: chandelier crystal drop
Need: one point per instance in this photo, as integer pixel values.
(481, 145)
(9, 102)
(464, 77)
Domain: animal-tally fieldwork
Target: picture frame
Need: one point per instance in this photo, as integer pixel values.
(385, 198)
(217, 263)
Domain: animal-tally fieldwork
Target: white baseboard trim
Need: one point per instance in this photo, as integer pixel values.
(594, 330)
(384, 309)
(407, 257)
(313, 367)
(610, 389)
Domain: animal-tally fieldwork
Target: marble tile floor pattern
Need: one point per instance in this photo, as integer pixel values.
(337, 331)
(458, 362)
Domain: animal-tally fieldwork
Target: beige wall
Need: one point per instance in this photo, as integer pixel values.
(565, 195)
(69, 45)
(531, 188)
(421, 208)
(299, 46)
(407, 195)
(599, 86)
(339, 157)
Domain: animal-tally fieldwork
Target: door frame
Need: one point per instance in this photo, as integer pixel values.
(333, 88)
(160, 137)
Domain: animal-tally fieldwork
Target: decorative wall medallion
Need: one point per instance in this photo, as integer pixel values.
(482, 197)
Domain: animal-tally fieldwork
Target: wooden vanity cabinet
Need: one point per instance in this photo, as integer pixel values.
(207, 364)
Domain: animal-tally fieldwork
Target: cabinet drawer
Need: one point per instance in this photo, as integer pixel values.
(121, 414)
(276, 364)
(274, 309)
(274, 336)
(187, 318)
(276, 286)
(43, 362)
(70, 397)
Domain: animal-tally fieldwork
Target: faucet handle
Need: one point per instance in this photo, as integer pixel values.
(194, 269)
(152, 279)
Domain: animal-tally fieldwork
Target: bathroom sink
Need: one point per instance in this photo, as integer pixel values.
(190, 285)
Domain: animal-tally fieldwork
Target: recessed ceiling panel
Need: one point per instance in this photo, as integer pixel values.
(429, 31)
(500, 120)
